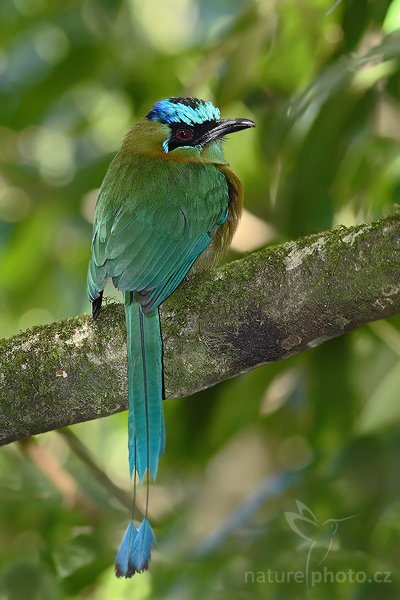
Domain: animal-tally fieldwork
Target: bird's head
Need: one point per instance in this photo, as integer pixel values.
(185, 129)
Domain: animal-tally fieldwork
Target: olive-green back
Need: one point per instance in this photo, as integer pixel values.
(153, 219)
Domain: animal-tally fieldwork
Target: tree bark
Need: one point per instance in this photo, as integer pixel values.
(262, 308)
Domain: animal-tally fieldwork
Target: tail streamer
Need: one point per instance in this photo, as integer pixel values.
(146, 433)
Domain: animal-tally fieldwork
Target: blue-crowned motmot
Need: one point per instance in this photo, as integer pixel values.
(168, 204)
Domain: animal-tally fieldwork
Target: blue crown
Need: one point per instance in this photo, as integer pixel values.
(191, 111)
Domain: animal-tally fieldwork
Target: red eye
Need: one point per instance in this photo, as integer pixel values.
(184, 134)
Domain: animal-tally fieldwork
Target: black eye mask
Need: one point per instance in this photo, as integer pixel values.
(189, 135)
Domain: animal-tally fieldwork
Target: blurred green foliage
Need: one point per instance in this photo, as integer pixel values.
(323, 427)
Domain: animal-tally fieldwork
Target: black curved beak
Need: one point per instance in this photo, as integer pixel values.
(224, 126)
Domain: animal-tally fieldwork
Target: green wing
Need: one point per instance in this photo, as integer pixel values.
(150, 243)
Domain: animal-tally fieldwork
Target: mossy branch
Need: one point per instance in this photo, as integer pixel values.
(273, 303)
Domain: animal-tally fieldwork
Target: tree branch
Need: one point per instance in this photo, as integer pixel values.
(273, 303)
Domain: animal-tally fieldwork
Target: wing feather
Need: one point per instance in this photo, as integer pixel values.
(149, 244)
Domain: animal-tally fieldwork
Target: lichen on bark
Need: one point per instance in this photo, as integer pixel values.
(264, 307)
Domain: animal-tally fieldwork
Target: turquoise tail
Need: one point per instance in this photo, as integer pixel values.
(134, 552)
(146, 434)
(145, 417)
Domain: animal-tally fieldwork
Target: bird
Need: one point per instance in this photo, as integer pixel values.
(168, 205)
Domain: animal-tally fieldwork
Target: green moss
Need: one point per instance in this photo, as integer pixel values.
(334, 281)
